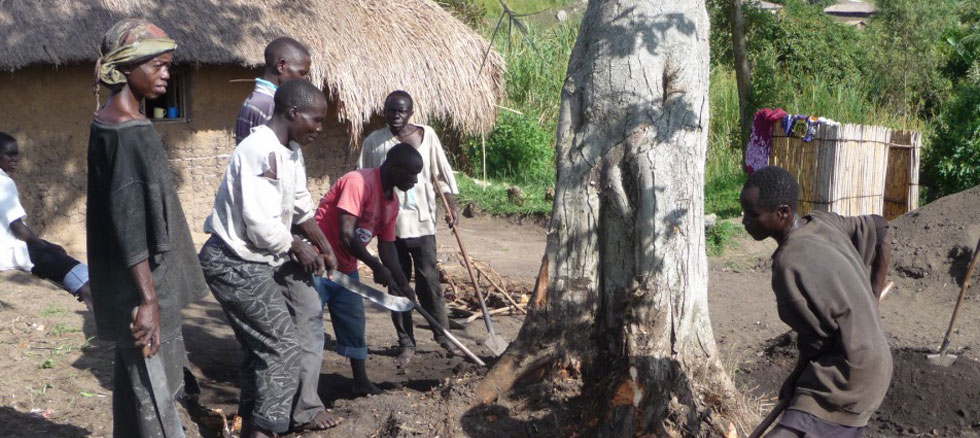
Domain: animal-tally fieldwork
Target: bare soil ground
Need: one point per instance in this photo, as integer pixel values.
(55, 377)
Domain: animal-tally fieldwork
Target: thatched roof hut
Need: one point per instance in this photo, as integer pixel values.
(362, 49)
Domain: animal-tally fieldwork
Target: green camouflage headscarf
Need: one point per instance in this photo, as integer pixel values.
(128, 42)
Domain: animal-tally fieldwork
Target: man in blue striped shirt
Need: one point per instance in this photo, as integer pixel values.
(285, 59)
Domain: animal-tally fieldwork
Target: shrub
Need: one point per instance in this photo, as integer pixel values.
(721, 237)
(518, 150)
(952, 158)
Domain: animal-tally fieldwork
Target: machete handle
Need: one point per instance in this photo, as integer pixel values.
(132, 317)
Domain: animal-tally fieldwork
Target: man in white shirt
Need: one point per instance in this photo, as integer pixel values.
(20, 248)
(415, 229)
(260, 272)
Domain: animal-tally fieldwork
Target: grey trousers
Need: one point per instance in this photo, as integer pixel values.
(306, 310)
(278, 320)
(418, 255)
(134, 410)
(799, 424)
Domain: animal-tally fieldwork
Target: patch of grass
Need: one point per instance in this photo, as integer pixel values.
(52, 310)
(721, 237)
(493, 8)
(721, 195)
(47, 364)
(60, 329)
(493, 198)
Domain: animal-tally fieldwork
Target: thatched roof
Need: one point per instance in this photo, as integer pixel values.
(362, 49)
(768, 6)
(851, 8)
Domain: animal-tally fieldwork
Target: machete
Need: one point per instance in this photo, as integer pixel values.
(165, 404)
(388, 301)
(368, 292)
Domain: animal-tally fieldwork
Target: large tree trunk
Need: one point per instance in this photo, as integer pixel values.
(743, 75)
(622, 293)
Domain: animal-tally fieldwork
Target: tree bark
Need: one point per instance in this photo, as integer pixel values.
(622, 293)
(743, 74)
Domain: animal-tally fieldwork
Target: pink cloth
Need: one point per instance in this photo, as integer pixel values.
(359, 193)
(760, 141)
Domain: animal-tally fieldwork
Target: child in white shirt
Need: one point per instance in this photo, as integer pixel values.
(20, 248)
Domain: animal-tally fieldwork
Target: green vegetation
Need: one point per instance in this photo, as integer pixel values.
(493, 199)
(493, 9)
(52, 310)
(722, 237)
(952, 161)
(916, 66)
(59, 329)
(723, 169)
(520, 149)
(909, 69)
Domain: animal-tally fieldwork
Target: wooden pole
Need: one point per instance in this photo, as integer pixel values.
(483, 154)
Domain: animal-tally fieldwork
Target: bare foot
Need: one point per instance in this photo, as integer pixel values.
(404, 358)
(322, 421)
(361, 389)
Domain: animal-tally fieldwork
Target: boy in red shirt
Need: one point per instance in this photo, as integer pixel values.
(360, 205)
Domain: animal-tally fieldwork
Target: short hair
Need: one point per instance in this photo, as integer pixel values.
(402, 94)
(404, 155)
(5, 141)
(776, 187)
(300, 94)
(283, 47)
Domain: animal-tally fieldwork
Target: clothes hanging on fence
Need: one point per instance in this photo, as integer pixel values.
(789, 121)
(812, 122)
(760, 141)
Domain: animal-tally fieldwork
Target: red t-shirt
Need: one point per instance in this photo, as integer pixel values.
(359, 193)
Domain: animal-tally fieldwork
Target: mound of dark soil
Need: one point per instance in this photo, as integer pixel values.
(934, 243)
(923, 400)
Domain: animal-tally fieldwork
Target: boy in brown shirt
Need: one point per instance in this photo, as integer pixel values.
(827, 274)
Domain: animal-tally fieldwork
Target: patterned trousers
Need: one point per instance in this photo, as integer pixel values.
(256, 300)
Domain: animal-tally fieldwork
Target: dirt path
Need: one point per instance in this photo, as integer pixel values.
(55, 376)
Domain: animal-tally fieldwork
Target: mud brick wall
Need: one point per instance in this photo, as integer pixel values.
(49, 111)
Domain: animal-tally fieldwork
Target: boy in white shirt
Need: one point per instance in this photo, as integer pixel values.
(20, 248)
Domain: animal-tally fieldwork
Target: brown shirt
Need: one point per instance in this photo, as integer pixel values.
(823, 292)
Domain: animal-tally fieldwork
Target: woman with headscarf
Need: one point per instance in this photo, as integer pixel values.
(142, 262)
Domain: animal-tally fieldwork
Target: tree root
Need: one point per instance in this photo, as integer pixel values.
(511, 367)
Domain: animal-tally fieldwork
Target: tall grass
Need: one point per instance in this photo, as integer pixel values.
(520, 149)
(847, 100)
(535, 74)
(493, 8)
(723, 168)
